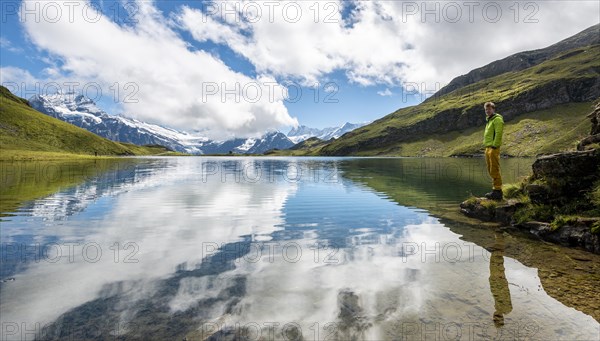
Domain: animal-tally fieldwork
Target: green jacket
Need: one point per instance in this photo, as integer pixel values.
(492, 136)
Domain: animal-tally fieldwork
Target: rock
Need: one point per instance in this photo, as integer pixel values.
(568, 173)
(577, 234)
(573, 234)
(537, 193)
(583, 145)
(537, 228)
(489, 210)
(473, 208)
(505, 212)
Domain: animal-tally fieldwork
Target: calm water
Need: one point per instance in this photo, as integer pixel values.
(278, 249)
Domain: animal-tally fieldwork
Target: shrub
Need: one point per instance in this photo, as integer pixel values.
(596, 227)
(512, 190)
(561, 220)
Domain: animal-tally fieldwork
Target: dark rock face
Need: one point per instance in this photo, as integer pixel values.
(539, 194)
(567, 174)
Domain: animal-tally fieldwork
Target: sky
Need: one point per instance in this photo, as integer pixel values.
(241, 68)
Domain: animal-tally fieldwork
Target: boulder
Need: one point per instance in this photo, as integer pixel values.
(577, 233)
(568, 173)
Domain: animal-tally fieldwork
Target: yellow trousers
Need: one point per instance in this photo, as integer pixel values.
(492, 160)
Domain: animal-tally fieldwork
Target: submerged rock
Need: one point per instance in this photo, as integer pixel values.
(577, 232)
(489, 210)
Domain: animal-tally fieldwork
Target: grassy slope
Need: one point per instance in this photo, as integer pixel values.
(28, 134)
(25, 180)
(579, 63)
(545, 131)
(304, 148)
(528, 135)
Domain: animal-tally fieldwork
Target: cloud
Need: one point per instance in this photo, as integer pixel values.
(160, 79)
(385, 93)
(13, 77)
(383, 42)
(8, 45)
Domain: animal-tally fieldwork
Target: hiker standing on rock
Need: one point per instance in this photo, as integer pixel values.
(492, 140)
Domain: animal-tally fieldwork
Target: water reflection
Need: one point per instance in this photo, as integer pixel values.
(498, 282)
(250, 248)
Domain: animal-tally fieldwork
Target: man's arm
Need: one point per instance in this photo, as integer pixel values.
(498, 130)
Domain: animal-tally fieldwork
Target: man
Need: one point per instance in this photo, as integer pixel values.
(492, 140)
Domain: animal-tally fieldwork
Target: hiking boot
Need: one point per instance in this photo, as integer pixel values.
(495, 194)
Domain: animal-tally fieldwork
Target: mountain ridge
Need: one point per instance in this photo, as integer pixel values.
(522, 60)
(571, 76)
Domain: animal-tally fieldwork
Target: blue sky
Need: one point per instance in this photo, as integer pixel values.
(368, 53)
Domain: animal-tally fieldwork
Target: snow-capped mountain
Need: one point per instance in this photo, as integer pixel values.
(271, 140)
(302, 133)
(83, 112)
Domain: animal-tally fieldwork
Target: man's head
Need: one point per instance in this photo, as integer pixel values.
(490, 108)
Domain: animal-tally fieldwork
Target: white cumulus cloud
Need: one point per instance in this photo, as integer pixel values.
(161, 79)
(383, 42)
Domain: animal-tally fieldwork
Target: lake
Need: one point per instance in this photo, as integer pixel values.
(244, 248)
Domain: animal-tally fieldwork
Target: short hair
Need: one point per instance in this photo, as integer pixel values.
(489, 104)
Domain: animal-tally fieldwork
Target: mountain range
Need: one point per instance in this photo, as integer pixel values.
(303, 133)
(85, 113)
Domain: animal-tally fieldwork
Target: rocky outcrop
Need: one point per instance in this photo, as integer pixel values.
(576, 232)
(489, 210)
(558, 190)
(565, 175)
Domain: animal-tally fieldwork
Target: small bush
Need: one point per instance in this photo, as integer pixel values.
(490, 205)
(512, 190)
(596, 227)
(471, 201)
(561, 220)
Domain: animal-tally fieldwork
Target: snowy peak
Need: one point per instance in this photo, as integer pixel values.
(271, 140)
(84, 113)
(303, 133)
